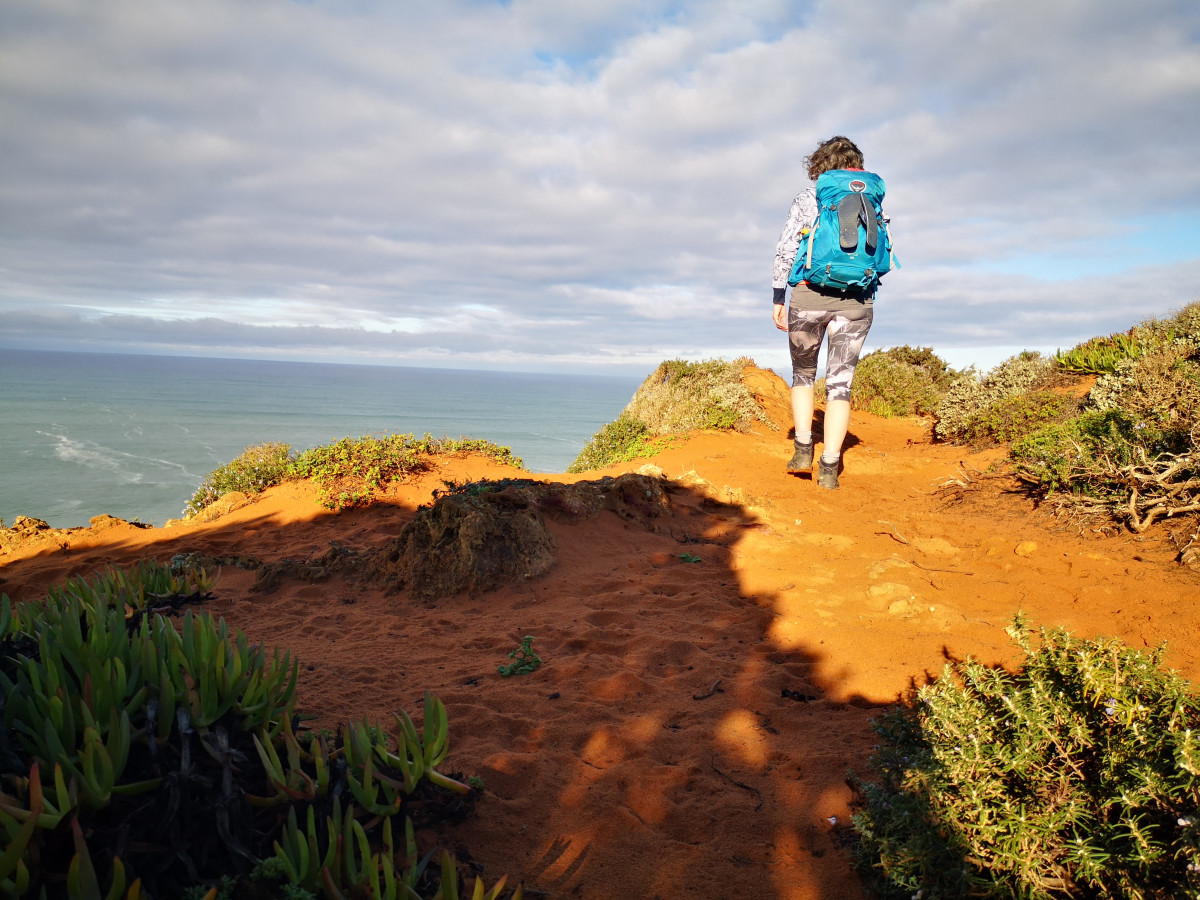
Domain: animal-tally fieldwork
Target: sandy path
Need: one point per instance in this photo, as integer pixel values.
(690, 732)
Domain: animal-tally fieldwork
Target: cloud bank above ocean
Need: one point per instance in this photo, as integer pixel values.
(542, 186)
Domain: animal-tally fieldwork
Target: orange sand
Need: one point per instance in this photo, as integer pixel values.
(616, 770)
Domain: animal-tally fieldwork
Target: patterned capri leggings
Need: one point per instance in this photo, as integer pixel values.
(847, 330)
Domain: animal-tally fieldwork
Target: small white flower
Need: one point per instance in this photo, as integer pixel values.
(832, 820)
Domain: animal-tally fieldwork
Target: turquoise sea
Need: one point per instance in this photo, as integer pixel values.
(133, 436)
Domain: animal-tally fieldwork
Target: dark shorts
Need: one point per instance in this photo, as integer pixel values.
(847, 331)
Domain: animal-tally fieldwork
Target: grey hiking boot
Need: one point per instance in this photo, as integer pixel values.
(801, 460)
(827, 473)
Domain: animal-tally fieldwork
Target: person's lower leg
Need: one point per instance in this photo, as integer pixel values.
(802, 413)
(837, 423)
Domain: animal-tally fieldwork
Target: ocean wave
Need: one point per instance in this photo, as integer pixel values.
(555, 438)
(131, 468)
(83, 453)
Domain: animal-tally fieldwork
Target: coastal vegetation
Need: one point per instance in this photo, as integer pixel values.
(251, 472)
(1103, 431)
(352, 471)
(1127, 452)
(677, 396)
(1077, 775)
(524, 659)
(349, 472)
(146, 755)
(900, 381)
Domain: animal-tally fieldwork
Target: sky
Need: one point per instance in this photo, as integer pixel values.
(588, 186)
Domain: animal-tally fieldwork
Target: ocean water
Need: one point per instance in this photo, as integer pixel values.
(133, 436)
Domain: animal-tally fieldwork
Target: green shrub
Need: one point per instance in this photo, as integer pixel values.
(256, 469)
(1071, 455)
(349, 472)
(681, 396)
(967, 398)
(1016, 417)
(900, 381)
(1185, 324)
(924, 358)
(678, 396)
(1104, 463)
(1132, 456)
(1077, 776)
(352, 471)
(621, 440)
(1160, 388)
(1182, 325)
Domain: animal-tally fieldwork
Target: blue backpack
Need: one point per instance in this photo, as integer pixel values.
(848, 248)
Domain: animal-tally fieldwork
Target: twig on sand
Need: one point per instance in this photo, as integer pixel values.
(932, 569)
(745, 787)
(712, 690)
(894, 533)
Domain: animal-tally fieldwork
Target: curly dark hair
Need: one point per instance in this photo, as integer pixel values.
(836, 153)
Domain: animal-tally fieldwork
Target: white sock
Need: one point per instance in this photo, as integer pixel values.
(803, 437)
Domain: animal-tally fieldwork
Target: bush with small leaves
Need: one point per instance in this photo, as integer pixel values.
(1182, 325)
(967, 398)
(349, 472)
(1016, 417)
(1104, 464)
(1076, 776)
(256, 469)
(1131, 456)
(1069, 455)
(901, 381)
(678, 396)
(621, 440)
(1161, 388)
(681, 395)
(353, 471)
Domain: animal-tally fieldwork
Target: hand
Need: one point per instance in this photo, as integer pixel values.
(779, 314)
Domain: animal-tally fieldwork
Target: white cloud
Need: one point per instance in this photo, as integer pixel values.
(607, 178)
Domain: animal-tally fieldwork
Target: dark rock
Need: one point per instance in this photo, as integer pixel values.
(479, 540)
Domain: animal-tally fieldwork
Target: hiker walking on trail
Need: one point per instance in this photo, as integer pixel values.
(833, 250)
